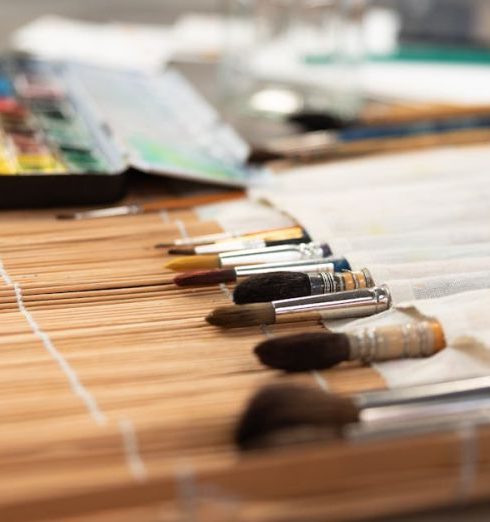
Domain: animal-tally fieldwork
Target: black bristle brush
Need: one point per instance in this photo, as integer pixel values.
(288, 285)
(281, 412)
(284, 407)
(322, 350)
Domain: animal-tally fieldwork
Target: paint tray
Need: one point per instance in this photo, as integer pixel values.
(70, 133)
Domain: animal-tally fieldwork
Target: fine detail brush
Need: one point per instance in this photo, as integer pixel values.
(210, 239)
(154, 206)
(279, 407)
(352, 303)
(273, 254)
(240, 244)
(321, 350)
(288, 285)
(230, 275)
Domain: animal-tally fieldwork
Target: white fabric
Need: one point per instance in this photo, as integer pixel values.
(364, 258)
(471, 232)
(244, 216)
(442, 164)
(465, 319)
(387, 212)
(390, 194)
(437, 286)
(384, 272)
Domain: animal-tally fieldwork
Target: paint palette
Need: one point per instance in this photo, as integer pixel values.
(69, 133)
(51, 150)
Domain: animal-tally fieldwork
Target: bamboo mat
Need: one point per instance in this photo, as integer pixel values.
(111, 382)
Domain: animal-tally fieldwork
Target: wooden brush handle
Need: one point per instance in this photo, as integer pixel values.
(191, 201)
(410, 340)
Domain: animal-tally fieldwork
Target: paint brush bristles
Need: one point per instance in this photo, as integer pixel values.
(207, 277)
(278, 407)
(238, 316)
(189, 263)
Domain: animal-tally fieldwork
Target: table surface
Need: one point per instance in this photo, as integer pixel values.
(14, 13)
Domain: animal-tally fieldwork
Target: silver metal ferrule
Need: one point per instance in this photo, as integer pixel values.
(273, 254)
(322, 283)
(474, 387)
(384, 343)
(307, 266)
(327, 283)
(352, 303)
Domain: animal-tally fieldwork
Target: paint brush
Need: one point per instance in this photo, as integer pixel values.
(352, 303)
(321, 350)
(240, 244)
(279, 407)
(154, 206)
(230, 275)
(211, 239)
(319, 141)
(272, 254)
(288, 285)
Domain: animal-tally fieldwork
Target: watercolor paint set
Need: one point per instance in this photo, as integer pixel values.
(70, 133)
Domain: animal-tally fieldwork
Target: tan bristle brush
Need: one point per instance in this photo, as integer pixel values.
(286, 408)
(317, 351)
(353, 303)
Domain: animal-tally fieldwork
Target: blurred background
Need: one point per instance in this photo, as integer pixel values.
(331, 39)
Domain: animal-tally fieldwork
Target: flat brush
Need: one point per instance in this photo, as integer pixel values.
(280, 408)
(318, 351)
(154, 206)
(352, 303)
(239, 244)
(273, 254)
(230, 275)
(210, 239)
(288, 285)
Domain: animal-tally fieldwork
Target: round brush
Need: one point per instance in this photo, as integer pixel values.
(230, 275)
(353, 303)
(273, 254)
(287, 285)
(317, 351)
(292, 408)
